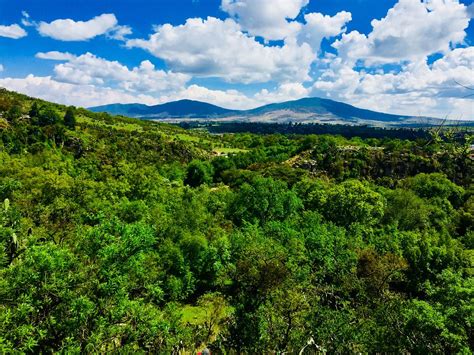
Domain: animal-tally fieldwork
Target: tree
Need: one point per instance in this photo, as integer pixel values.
(48, 116)
(435, 185)
(13, 113)
(34, 111)
(70, 118)
(216, 312)
(9, 219)
(407, 210)
(198, 173)
(354, 202)
(264, 200)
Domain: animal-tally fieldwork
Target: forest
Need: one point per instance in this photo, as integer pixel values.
(129, 236)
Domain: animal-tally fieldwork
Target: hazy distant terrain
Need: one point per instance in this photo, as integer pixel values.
(307, 110)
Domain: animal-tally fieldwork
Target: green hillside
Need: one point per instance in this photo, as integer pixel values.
(121, 235)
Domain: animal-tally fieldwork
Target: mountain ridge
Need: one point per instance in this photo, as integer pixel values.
(179, 108)
(305, 110)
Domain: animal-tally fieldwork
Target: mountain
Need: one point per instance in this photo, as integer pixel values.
(306, 110)
(175, 109)
(318, 107)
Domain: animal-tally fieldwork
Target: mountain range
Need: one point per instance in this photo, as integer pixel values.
(306, 110)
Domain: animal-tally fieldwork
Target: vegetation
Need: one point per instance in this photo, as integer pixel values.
(132, 236)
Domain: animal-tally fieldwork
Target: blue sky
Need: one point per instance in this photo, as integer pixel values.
(400, 56)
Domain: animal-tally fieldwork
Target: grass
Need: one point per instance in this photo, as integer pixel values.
(193, 314)
(191, 138)
(129, 127)
(169, 132)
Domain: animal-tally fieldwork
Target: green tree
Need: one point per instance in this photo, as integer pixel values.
(70, 118)
(435, 185)
(407, 210)
(198, 173)
(14, 113)
(264, 200)
(48, 116)
(354, 202)
(34, 110)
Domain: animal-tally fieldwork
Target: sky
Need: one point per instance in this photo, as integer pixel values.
(409, 57)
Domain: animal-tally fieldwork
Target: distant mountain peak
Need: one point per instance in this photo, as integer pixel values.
(184, 108)
(305, 110)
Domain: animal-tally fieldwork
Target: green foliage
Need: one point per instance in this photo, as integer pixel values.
(70, 118)
(198, 173)
(34, 110)
(264, 200)
(435, 186)
(354, 202)
(127, 236)
(48, 116)
(14, 113)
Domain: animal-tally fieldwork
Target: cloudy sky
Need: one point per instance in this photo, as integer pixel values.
(407, 56)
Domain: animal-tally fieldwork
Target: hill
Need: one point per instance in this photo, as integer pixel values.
(323, 108)
(306, 110)
(175, 109)
(120, 235)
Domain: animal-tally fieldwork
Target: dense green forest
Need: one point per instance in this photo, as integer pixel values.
(132, 236)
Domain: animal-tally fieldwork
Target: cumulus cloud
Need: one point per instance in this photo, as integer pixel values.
(89, 69)
(70, 30)
(232, 99)
(12, 31)
(70, 94)
(417, 87)
(216, 48)
(267, 19)
(319, 26)
(285, 92)
(55, 55)
(87, 95)
(228, 50)
(48, 88)
(411, 30)
(120, 33)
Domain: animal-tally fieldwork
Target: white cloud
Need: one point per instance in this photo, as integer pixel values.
(234, 99)
(411, 30)
(319, 26)
(216, 48)
(55, 55)
(231, 99)
(90, 69)
(120, 32)
(268, 19)
(26, 19)
(285, 92)
(69, 94)
(418, 88)
(227, 50)
(70, 30)
(83, 95)
(88, 95)
(12, 31)
(1, 68)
